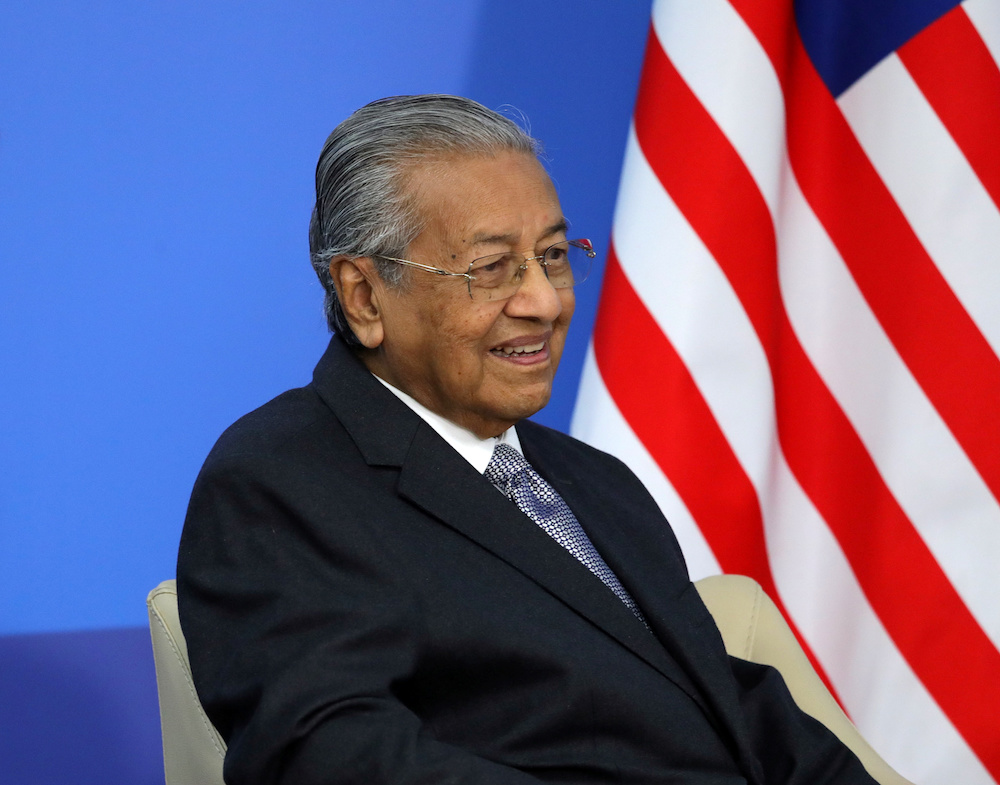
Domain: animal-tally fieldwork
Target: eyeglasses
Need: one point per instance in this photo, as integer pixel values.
(498, 276)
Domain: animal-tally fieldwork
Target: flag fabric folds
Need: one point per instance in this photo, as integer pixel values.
(797, 342)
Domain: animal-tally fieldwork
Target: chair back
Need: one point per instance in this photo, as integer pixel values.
(753, 629)
(193, 750)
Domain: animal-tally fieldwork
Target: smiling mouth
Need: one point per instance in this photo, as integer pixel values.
(518, 351)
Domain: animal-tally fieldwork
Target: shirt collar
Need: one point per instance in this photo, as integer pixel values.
(475, 450)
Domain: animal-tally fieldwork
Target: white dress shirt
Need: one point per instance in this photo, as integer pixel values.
(475, 450)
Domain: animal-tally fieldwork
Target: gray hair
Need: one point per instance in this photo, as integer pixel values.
(362, 208)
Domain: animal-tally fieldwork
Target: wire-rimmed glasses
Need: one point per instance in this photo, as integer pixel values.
(499, 275)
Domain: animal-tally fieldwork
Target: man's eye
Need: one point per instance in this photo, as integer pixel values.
(495, 264)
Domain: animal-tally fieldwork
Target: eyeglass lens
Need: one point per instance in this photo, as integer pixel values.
(499, 275)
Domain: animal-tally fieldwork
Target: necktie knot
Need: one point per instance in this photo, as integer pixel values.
(505, 464)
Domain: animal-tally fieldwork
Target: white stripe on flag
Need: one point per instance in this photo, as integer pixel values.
(985, 16)
(942, 199)
(719, 58)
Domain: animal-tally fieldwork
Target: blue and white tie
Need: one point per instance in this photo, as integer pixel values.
(511, 473)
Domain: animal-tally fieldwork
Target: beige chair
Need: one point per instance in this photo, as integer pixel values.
(753, 629)
(192, 748)
(751, 626)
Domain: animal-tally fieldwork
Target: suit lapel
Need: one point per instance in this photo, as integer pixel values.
(380, 424)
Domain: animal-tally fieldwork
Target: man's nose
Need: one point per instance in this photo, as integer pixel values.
(536, 297)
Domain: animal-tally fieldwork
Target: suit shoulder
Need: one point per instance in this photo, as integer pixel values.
(285, 425)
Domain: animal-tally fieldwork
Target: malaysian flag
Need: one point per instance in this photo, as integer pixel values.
(797, 342)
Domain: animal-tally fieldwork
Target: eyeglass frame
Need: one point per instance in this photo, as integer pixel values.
(582, 243)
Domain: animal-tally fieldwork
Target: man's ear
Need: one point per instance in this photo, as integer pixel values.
(352, 278)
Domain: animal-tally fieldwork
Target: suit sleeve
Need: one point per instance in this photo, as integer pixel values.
(302, 637)
(790, 746)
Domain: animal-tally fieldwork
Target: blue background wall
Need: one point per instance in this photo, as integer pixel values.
(156, 165)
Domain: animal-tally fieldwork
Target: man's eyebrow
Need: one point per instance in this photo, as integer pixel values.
(510, 238)
(559, 227)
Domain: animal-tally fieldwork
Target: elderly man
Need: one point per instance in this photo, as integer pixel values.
(389, 576)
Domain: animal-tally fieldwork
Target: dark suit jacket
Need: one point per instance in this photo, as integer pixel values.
(362, 606)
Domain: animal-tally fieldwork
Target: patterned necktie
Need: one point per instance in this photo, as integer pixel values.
(513, 476)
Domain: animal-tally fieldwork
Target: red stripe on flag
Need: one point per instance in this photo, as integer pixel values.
(941, 640)
(681, 434)
(960, 80)
(933, 334)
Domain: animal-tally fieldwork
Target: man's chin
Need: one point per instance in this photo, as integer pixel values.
(528, 404)
(494, 420)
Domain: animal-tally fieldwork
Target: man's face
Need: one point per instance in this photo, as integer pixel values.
(453, 354)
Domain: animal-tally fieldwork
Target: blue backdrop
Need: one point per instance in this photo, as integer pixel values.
(156, 164)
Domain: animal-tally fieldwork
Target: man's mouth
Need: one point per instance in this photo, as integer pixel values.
(518, 351)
